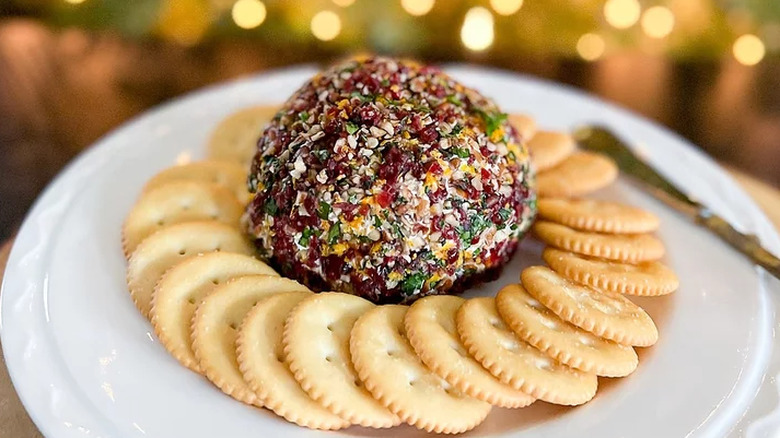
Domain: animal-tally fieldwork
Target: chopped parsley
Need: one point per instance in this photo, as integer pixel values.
(377, 222)
(413, 283)
(385, 82)
(352, 128)
(460, 152)
(453, 99)
(306, 236)
(492, 121)
(303, 115)
(321, 154)
(324, 211)
(334, 232)
(505, 214)
(270, 207)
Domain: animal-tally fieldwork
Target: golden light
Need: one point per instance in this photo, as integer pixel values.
(622, 14)
(326, 25)
(657, 22)
(417, 7)
(343, 3)
(477, 30)
(248, 14)
(75, 2)
(506, 7)
(590, 46)
(749, 49)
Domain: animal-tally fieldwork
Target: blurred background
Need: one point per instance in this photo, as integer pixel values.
(71, 70)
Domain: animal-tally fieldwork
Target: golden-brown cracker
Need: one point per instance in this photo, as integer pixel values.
(235, 138)
(261, 360)
(224, 173)
(392, 372)
(430, 327)
(172, 244)
(603, 313)
(648, 279)
(215, 329)
(550, 148)
(517, 363)
(316, 348)
(564, 342)
(176, 202)
(630, 248)
(597, 216)
(579, 174)
(181, 289)
(524, 124)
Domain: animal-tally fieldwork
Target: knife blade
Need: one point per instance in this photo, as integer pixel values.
(602, 140)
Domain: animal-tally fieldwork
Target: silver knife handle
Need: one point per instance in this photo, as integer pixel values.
(744, 243)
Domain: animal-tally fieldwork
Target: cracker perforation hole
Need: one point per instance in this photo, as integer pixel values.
(329, 327)
(328, 359)
(234, 326)
(191, 300)
(182, 252)
(215, 281)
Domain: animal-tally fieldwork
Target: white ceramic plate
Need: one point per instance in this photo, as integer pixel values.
(86, 363)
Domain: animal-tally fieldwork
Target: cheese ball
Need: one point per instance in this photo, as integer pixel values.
(388, 179)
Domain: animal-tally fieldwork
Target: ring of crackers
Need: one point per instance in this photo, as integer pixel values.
(172, 244)
(579, 174)
(181, 289)
(605, 314)
(235, 137)
(316, 348)
(517, 363)
(647, 279)
(550, 148)
(525, 126)
(630, 248)
(392, 372)
(223, 173)
(176, 202)
(215, 329)
(261, 360)
(597, 216)
(564, 342)
(430, 327)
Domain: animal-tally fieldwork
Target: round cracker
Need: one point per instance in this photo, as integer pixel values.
(182, 288)
(598, 216)
(603, 313)
(235, 137)
(525, 125)
(517, 363)
(392, 372)
(550, 148)
(631, 248)
(215, 329)
(316, 348)
(564, 342)
(229, 175)
(579, 174)
(261, 360)
(647, 279)
(176, 202)
(430, 327)
(172, 244)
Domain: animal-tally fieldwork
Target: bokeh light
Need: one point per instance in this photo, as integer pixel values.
(590, 46)
(75, 2)
(248, 14)
(417, 7)
(657, 22)
(622, 14)
(343, 3)
(326, 25)
(749, 49)
(506, 7)
(477, 30)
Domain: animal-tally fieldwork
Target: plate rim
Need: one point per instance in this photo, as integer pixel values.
(99, 151)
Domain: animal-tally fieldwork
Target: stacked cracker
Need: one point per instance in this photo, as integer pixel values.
(332, 360)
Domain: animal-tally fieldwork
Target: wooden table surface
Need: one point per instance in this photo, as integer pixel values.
(14, 421)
